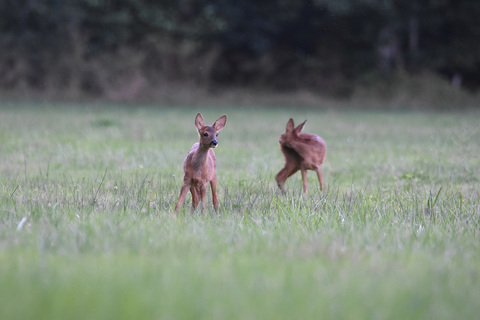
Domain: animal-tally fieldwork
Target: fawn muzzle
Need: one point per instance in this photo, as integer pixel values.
(213, 143)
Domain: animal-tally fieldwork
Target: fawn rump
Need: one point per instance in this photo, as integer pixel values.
(302, 152)
(199, 165)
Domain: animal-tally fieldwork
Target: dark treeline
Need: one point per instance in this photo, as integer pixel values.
(104, 47)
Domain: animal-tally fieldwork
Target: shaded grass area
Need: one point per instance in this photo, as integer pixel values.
(87, 231)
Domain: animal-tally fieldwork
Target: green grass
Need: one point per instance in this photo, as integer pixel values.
(87, 230)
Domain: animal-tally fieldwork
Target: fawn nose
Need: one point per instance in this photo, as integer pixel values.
(214, 143)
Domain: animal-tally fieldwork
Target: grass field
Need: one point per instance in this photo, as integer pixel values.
(87, 230)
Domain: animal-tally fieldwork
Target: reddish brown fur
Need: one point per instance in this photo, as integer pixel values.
(302, 152)
(199, 165)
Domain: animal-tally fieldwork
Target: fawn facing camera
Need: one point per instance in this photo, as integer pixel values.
(199, 165)
(302, 152)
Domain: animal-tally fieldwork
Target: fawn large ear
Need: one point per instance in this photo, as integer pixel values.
(290, 126)
(300, 127)
(220, 123)
(199, 123)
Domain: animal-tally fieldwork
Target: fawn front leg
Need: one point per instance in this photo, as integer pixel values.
(183, 194)
(213, 186)
(304, 178)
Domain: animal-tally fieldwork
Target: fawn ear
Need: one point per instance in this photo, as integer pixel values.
(300, 127)
(220, 123)
(199, 123)
(290, 126)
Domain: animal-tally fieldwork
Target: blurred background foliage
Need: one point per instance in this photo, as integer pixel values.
(123, 49)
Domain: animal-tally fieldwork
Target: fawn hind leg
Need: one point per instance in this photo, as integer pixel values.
(195, 197)
(203, 196)
(320, 177)
(183, 194)
(213, 186)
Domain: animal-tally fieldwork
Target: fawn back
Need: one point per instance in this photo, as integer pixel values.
(302, 152)
(200, 165)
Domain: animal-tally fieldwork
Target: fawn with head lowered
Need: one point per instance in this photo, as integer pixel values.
(200, 165)
(302, 152)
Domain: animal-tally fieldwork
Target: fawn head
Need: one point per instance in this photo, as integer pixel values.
(291, 133)
(208, 134)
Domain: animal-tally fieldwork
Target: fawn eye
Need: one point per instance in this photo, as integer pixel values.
(216, 135)
(205, 134)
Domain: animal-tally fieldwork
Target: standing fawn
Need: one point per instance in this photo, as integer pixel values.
(302, 152)
(199, 165)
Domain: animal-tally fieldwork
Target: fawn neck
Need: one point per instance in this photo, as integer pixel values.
(200, 155)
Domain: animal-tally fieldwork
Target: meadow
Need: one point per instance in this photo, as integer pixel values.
(87, 229)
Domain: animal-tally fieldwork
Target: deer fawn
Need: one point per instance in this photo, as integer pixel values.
(199, 165)
(302, 152)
